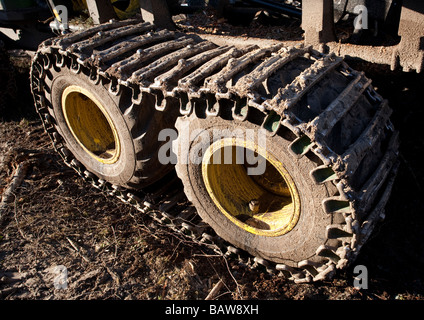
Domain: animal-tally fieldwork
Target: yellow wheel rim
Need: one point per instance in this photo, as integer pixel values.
(130, 11)
(90, 124)
(266, 204)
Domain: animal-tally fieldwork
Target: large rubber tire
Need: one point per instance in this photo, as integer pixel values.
(298, 244)
(332, 148)
(329, 194)
(136, 128)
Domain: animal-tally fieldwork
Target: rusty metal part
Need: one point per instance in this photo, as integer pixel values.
(355, 210)
(318, 24)
(100, 10)
(318, 21)
(157, 13)
(409, 54)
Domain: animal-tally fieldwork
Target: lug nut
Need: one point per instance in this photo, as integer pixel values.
(254, 205)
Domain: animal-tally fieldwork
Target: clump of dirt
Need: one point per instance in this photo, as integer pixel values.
(63, 239)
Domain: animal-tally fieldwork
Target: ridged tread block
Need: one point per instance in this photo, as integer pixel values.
(359, 177)
(316, 105)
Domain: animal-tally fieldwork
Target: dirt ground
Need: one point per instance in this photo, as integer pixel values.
(111, 251)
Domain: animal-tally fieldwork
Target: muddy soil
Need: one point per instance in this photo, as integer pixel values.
(111, 251)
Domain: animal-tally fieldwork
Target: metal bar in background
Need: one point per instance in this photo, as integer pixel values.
(318, 21)
(157, 13)
(101, 10)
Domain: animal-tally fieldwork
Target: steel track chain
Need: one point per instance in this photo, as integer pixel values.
(173, 210)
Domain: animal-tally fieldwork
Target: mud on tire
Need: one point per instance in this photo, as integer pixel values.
(297, 244)
(333, 150)
(106, 132)
(337, 146)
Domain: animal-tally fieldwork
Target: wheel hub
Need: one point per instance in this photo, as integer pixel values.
(267, 204)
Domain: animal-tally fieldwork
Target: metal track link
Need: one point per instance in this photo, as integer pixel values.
(170, 65)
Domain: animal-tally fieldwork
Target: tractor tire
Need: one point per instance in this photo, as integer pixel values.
(325, 178)
(313, 153)
(213, 191)
(111, 136)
